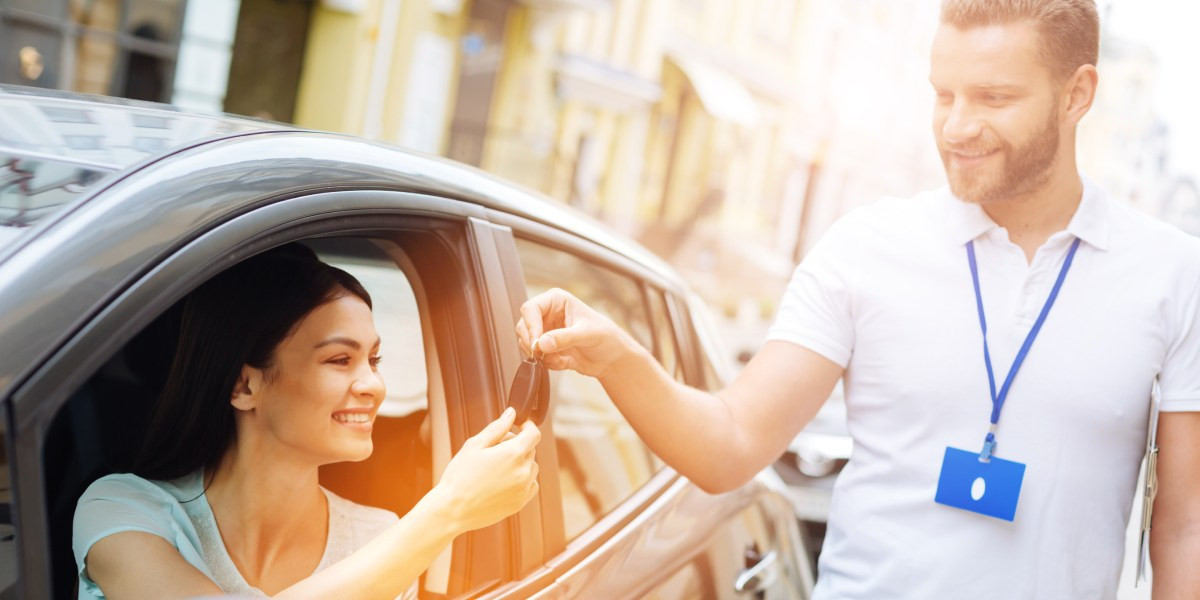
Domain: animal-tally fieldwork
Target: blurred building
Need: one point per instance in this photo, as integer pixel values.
(667, 119)
(674, 121)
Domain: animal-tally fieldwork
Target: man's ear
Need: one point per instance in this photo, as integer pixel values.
(243, 397)
(1079, 93)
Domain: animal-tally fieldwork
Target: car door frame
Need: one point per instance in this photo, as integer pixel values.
(559, 555)
(38, 398)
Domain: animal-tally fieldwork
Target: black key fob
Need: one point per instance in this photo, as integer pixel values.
(530, 392)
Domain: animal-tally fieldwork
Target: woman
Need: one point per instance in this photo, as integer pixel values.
(275, 374)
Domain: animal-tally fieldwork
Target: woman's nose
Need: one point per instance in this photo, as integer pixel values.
(368, 382)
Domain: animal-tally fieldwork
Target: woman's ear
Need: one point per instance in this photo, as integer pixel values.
(243, 397)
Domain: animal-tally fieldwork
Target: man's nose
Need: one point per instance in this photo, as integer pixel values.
(962, 123)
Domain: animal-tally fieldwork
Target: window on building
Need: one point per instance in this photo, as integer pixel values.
(124, 48)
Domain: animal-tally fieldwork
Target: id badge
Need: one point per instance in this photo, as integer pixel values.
(988, 488)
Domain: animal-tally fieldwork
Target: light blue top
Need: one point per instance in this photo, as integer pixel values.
(178, 511)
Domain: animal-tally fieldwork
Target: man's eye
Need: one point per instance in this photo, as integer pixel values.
(994, 98)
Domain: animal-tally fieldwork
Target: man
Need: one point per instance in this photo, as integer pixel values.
(942, 498)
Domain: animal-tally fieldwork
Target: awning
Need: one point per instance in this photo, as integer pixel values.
(591, 82)
(723, 95)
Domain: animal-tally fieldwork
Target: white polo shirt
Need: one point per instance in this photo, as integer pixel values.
(887, 293)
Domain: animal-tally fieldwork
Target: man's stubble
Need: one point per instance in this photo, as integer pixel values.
(1025, 169)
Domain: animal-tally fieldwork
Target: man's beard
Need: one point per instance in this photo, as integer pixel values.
(1023, 169)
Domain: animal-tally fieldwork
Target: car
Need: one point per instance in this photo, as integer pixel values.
(111, 211)
(811, 465)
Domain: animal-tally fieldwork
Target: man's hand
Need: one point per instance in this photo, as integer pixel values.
(570, 335)
(749, 423)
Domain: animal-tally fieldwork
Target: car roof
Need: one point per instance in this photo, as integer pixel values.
(42, 120)
(102, 132)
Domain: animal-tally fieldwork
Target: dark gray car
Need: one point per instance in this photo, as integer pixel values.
(112, 211)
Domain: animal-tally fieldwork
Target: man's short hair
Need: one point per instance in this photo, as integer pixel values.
(1070, 28)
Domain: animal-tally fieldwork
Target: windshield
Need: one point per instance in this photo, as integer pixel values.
(33, 188)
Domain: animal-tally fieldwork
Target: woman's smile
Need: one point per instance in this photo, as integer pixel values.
(357, 419)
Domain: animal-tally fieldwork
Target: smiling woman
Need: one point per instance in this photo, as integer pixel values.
(276, 373)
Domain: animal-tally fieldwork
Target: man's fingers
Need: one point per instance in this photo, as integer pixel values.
(496, 430)
(533, 311)
(567, 338)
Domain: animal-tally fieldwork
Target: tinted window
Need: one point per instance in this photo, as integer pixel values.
(602, 461)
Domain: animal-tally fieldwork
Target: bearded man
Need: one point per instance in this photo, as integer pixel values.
(1019, 290)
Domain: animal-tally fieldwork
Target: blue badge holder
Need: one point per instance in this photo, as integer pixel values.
(989, 488)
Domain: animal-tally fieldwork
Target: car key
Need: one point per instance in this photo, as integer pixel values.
(525, 394)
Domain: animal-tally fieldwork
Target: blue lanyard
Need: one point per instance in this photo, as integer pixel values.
(989, 443)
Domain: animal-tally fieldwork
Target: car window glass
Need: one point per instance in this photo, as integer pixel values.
(8, 532)
(714, 358)
(601, 459)
(32, 189)
(611, 294)
(664, 334)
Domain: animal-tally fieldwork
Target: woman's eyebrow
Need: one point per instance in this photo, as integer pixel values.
(345, 341)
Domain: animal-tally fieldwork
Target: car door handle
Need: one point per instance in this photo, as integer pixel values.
(758, 577)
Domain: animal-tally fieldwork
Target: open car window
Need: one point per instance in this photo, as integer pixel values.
(101, 427)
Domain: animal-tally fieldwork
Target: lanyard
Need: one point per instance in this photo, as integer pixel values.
(989, 442)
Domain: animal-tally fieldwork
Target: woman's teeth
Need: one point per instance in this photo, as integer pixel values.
(352, 418)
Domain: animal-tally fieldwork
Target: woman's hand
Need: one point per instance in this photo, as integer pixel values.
(571, 335)
(492, 476)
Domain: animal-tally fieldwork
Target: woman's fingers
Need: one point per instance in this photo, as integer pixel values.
(527, 438)
(495, 431)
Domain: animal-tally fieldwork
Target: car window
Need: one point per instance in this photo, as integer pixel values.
(101, 427)
(714, 358)
(398, 322)
(601, 459)
(398, 472)
(664, 334)
(33, 188)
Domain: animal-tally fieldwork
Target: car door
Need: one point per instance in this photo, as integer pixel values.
(157, 234)
(617, 522)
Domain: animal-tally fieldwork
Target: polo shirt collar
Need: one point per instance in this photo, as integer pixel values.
(1090, 222)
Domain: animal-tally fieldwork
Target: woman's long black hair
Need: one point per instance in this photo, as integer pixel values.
(237, 318)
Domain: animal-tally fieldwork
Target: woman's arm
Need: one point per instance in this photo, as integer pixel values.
(488, 480)
(135, 564)
(491, 477)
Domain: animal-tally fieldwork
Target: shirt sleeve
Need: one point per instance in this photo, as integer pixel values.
(816, 308)
(113, 504)
(1179, 381)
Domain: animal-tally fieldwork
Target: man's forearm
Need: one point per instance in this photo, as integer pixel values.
(1173, 556)
(694, 431)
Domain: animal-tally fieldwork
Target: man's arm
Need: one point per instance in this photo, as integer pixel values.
(719, 441)
(1175, 532)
